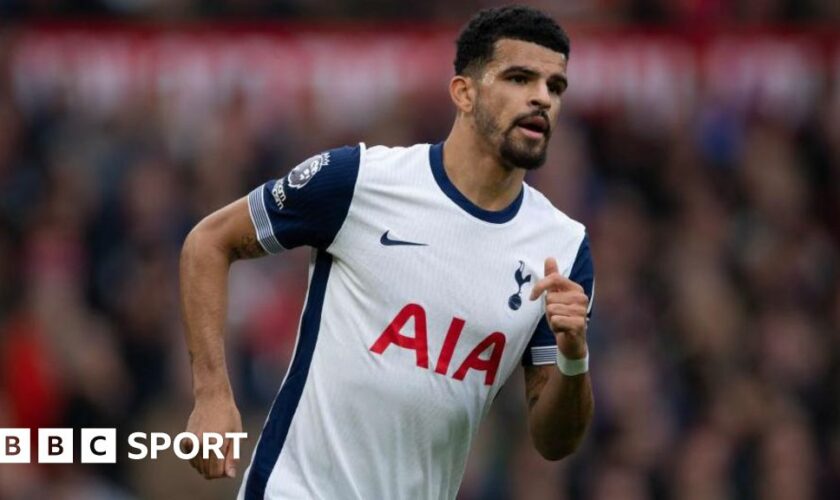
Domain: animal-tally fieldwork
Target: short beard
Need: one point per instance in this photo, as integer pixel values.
(515, 157)
(511, 152)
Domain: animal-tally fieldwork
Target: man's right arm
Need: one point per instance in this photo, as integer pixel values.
(211, 247)
(307, 207)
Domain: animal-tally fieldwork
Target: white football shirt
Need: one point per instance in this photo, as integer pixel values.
(417, 313)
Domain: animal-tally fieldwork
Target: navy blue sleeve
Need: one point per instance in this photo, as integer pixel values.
(309, 204)
(542, 349)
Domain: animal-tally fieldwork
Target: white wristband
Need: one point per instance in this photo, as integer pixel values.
(572, 367)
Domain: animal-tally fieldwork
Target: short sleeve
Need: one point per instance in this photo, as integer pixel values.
(307, 206)
(542, 349)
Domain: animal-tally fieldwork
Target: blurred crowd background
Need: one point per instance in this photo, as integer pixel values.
(715, 227)
(620, 11)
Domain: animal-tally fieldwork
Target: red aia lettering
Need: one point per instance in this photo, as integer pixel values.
(449, 343)
(393, 335)
(496, 340)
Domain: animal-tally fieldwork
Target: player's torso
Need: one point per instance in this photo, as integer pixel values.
(437, 297)
(425, 315)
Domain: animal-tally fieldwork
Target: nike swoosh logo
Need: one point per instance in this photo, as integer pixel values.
(388, 242)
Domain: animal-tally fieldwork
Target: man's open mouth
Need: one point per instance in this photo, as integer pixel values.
(533, 126)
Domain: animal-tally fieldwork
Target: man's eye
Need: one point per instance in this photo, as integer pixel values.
(518, 79)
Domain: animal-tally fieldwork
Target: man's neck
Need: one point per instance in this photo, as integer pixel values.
(478, 173)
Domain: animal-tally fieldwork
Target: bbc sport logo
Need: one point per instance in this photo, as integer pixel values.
(99, 446)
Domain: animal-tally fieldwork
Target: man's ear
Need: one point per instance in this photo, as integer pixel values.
(462, 91)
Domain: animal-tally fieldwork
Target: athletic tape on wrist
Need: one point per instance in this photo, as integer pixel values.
(572, 367)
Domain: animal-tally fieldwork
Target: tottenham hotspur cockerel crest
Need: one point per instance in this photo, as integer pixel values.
(301, 174)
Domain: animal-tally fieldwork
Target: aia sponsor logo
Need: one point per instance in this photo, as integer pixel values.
(484, 357)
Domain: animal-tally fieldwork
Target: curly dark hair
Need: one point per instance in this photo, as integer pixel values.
(475, 43)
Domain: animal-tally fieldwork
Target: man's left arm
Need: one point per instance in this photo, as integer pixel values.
(560, 402)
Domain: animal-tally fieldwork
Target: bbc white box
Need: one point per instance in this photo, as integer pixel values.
(98, 446)
(14, 446)
(55, 446)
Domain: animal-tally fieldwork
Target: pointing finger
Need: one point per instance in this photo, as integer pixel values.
(542, 285)
(539, 287)
(550, 266)
(555, 282)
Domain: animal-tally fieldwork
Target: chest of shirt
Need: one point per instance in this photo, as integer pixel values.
(421, 264)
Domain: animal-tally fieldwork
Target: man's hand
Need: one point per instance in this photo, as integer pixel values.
(566, 307)
(217, 414)
(560, 407)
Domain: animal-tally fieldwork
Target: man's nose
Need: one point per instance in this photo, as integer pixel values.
(540, 98)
